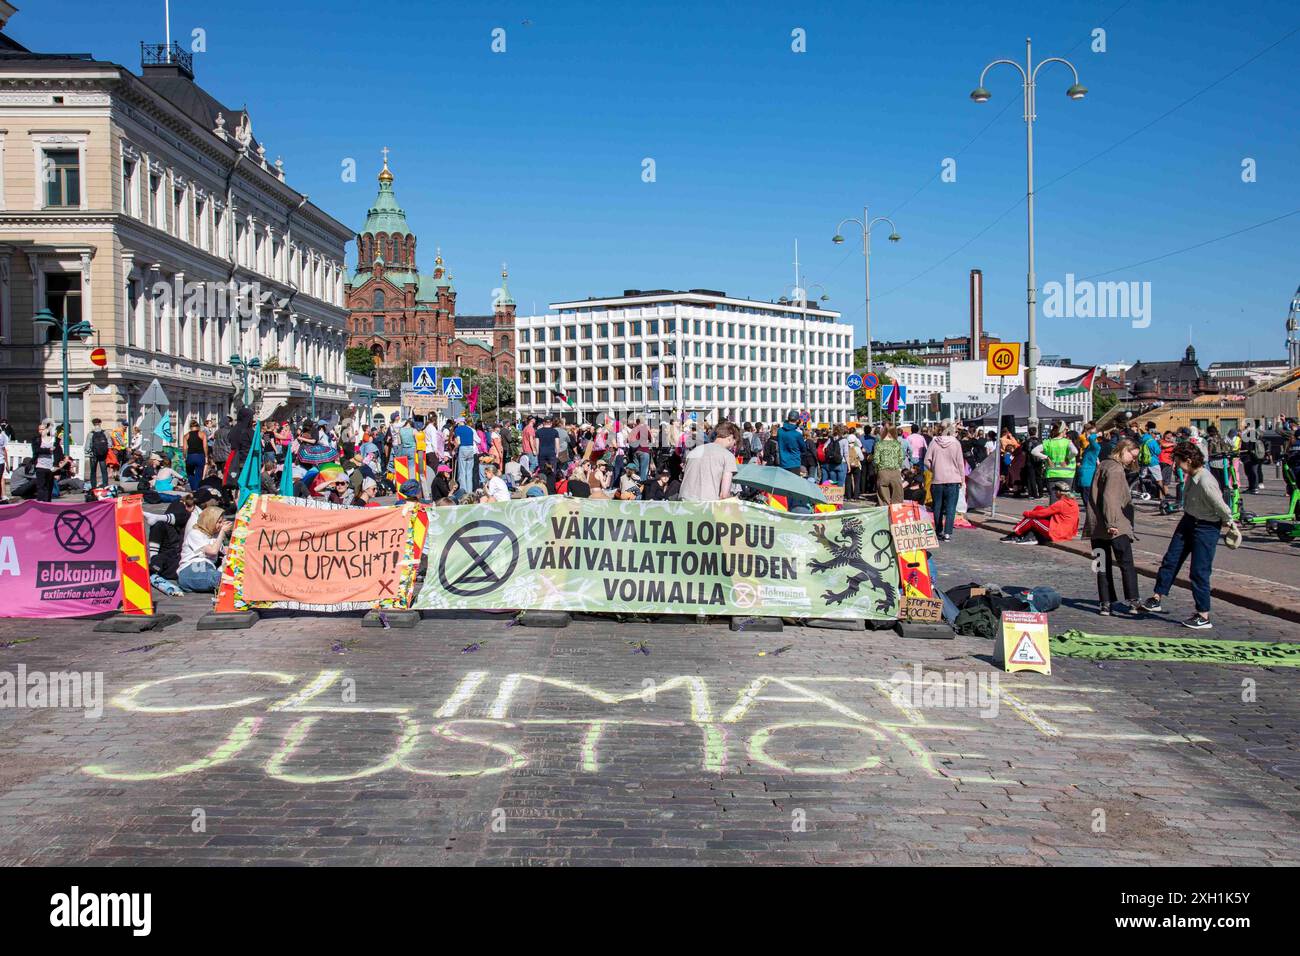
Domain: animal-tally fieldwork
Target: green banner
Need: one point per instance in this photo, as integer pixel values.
(1190, 650)
(660, 557)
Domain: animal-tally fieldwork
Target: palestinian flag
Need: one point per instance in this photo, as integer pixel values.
(1074, 386)
(561, 397)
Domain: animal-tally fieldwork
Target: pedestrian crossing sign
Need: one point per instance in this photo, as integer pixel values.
(1023, 644)
(453, 388)
(424, 378)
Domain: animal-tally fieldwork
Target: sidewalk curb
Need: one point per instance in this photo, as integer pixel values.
(1228, 595)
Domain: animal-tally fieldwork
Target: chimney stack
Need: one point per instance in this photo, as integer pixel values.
(976, 312)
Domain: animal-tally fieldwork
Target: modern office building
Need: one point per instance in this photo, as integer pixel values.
(141, 205)
(701, 353)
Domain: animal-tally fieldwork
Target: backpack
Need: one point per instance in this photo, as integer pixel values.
(99, 444)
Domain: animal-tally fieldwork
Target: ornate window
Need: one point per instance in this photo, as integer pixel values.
(379, 298)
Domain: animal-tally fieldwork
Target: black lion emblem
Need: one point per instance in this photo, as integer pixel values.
(846, 552)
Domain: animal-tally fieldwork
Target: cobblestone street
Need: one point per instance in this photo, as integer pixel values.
(470, 741)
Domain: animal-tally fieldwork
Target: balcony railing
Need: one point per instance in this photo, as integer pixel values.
(160, 54)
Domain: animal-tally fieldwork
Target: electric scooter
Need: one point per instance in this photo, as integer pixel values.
(1289, 468)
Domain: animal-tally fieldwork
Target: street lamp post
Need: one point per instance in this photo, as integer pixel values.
(245, 367)
(865, 224)
(312, 382)
(80, 330)
(1029, 77)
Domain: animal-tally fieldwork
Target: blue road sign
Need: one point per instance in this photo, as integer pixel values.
(854, 381)
(870, 380)
(424, 378)
(885, 393)
(453, 388)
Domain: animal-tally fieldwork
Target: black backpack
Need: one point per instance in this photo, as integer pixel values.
(99, 444)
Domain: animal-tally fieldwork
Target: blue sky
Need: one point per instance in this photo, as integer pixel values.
(534, 156)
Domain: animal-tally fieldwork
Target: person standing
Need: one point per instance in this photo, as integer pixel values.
(790, 444)
(529, 439)
(1197, 536)
(43, 456)
(640, 441)
(947, 466)
(710, 466)
(196, 453)
(1060, 454)
(1252, 457)
(888, 457)
(99, 447)
(1110, 528)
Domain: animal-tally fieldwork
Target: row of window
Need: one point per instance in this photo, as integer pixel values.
(699, 393)
(704, 327)
(618, 373)
(757, 353)
(716, 307)
(196, 216)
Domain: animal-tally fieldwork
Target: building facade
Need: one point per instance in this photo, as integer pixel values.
(700, 353)
(964, 390)
(141, 205)
(936, 352)
(404, 318)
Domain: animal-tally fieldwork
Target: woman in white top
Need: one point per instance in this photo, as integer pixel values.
(201, 552)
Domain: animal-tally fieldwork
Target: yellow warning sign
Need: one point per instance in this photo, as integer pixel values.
(1023, 644)
(1003, 359)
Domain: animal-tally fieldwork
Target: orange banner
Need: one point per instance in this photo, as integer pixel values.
(314, 556)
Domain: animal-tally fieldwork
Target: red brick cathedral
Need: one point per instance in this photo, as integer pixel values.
(405, 318)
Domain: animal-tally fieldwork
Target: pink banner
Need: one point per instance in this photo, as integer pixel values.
(58, 560)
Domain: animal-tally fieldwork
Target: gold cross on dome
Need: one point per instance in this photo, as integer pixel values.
(385, 152)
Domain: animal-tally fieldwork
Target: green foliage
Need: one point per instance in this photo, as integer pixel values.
(1102, 402)
(487, 388)
(359, 360)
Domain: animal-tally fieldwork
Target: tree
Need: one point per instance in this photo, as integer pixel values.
(359, 360)
(1102, 402)
(487, 388)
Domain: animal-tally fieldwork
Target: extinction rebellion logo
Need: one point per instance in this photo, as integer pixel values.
(493, 553)
(74, 532)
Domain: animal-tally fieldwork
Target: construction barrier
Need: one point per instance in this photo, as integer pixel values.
(133, 555)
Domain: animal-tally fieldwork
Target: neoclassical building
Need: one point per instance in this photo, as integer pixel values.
(136, 202)
(404, 318)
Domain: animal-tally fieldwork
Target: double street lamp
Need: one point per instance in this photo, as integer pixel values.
(245, 367)
(67, 330)
(866, 223)
(1029, 77)
(313, 382)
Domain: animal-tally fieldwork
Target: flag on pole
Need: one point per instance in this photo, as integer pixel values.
(561, 397)
(1074, 386)
(164, 429)
(473, 399)
(892, 405)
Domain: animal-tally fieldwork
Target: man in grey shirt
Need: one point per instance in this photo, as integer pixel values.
(709, 467)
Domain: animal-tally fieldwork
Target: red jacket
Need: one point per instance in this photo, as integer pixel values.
(1062, 518)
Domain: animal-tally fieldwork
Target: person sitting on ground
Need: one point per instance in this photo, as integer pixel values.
(1058, 521)
(496, 486)
(201, 552)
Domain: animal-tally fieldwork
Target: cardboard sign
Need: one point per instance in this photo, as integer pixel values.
(921, 610)
(1024, 644)
(911, 528)
(291, 553)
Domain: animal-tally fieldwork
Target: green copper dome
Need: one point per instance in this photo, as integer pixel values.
(385, 215)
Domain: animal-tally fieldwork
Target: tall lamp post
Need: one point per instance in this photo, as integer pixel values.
(78, 330)
(313, 382)
(1029, 77)
(865, 224)
(245, 367)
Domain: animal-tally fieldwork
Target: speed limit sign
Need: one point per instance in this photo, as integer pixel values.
(1003, 359)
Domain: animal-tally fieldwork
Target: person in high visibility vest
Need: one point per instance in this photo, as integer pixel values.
(1061, 457)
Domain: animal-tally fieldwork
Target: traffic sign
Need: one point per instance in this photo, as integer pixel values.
(854, 381)
(453, 388)
(870, 380)
(99, 357)
(869, 393)
(424, 378)
(1003, 359)
(887, 390)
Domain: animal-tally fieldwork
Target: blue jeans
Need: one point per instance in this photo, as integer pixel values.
(945, 506)
(838, 473)
(98, 466)
(1197, 539)
(643, 464)
(199, 577)
(194, 463)
(465, 461)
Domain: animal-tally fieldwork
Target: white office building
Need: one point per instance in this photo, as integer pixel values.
(702, 353)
